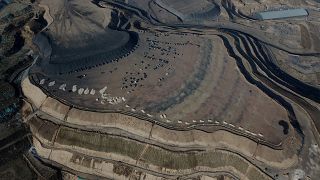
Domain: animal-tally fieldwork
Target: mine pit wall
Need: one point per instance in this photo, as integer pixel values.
(83, 164)
(152, 159)
(160, 135)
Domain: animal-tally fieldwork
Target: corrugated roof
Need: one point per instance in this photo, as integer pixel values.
(282, 14)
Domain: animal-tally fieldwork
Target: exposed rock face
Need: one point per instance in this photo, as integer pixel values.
(123, 91)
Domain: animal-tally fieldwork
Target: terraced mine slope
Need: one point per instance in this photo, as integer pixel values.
(163, 89)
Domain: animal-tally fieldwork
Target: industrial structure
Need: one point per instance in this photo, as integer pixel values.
(281, 14)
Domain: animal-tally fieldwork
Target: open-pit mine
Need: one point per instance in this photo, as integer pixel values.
(176, 89)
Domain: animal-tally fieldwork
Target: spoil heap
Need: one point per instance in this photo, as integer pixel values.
(112, 99)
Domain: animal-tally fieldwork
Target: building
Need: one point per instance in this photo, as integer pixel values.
(281, 14)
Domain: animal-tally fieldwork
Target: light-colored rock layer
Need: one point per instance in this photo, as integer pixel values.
(32, 93)
(54, 108)
(115, 120)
